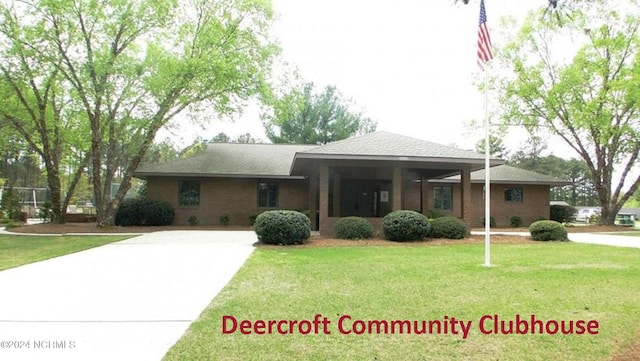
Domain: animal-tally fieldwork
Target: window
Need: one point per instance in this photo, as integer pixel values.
(513, 194)
(189, 193)
(443, 198)
(267, 195)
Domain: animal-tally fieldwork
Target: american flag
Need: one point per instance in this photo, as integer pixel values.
(484, 41)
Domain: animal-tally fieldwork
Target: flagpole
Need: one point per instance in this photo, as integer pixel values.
(487, 176)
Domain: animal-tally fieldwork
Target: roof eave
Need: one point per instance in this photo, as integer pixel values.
(145, 175)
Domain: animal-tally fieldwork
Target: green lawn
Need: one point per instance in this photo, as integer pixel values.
(18, 250)
(554, 281)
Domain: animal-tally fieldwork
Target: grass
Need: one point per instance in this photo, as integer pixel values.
(19, 250)
(554, 281)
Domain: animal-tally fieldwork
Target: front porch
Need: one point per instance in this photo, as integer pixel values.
(373, 189)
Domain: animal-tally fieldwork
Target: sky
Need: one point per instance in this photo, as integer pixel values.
(408, 64)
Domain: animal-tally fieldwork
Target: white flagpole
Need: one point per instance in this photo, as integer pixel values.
(487, 177)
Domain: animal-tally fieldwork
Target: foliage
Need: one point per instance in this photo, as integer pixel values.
(496, 146)
(492, 221)
(193, 220)
(448, 227)
(562, 214)
(435, 213)
(10, 204)
(224, 219)
(143, 212)
(304, 117)
(282, 227)
(45, 212)
(515, 221)
(252, 219)
(586, 93)
(405, 225)
(116, 73)
(548, 231)
(353, 228)
(579, 192)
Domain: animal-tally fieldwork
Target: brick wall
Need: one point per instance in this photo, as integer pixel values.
(237, 197)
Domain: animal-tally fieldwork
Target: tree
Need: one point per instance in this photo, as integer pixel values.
(304, 117)
(496, 146)
(125, 69)
(589, 99)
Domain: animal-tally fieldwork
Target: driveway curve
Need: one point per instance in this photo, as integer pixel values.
(128, 300)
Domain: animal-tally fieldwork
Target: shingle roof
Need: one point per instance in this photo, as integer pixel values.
(381, 144)
(231, 159)
(510, 175)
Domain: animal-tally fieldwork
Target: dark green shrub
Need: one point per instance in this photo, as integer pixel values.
(448, 227)
(193, 220)
(405, 225)
(46, 212)
(434, 213)
(548, 231)
(11, 204)
(492, 221)
(516, 221)
(224, 219)
(252, 219)
(142, 212)
(353, 228)
(282, 227)
(562, 214)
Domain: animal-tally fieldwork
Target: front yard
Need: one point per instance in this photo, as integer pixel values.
(552, 281)
(19, 250)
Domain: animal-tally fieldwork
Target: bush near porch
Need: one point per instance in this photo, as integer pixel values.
(405, 226)
(353, 228)
(282, 227)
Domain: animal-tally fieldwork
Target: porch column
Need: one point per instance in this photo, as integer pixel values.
(466, 203)
(313, 201)
(324, 199)
(396, 183)
(336, 195)
(424, 192)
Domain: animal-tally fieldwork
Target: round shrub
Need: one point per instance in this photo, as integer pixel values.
(353, 228)
(516, 221)
(548, 231)
(448, 227)
(405, 225)
(282, 227)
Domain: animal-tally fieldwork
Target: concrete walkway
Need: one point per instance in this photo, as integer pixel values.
(618, 240)
(129, 300)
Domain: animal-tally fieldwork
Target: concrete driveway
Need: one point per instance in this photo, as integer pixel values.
(129, 300)
(605, 239)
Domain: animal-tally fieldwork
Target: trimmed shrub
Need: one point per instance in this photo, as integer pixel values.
(405, 225)
(448, 227)
(353, 228)
(435, 213)
(282, 227)
(492, 221)
(143, 212)
(193, 220)
(516, 221)
(548, 231)
(562, 214)
(224, 219)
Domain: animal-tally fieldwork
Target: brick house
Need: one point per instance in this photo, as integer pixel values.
(368, 176)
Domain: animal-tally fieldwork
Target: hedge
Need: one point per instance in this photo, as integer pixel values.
(448, 227)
